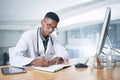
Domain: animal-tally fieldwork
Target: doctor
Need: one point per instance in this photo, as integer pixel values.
(39, 47)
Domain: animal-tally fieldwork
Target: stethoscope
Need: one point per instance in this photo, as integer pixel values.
(38, 52)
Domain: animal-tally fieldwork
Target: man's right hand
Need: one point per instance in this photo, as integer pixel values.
(40, 62)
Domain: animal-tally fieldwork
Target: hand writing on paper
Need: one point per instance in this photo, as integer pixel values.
(56, 60)
(44, 62)
(40, 62)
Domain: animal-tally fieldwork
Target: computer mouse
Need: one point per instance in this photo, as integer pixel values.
(81, 65)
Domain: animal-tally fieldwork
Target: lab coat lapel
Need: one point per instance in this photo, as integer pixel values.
(48, 46)
(41, 46)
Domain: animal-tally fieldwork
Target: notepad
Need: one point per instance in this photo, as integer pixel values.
(52, 68)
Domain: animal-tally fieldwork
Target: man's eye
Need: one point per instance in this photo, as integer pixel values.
(48, 25)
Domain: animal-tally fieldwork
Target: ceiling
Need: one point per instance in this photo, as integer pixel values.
(34, 9)
(19, 12)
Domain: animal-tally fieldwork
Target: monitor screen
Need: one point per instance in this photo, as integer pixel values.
(104, 31)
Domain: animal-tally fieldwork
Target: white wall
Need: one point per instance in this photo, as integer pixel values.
(9, 37)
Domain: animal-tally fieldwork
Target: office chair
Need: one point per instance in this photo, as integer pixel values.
(11, 49)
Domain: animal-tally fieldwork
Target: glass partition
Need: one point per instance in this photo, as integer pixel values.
(83, 41)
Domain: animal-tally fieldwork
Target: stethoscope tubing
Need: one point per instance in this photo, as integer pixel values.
(38, 52)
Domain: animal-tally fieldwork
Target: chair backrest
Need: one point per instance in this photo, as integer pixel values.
(11, 49)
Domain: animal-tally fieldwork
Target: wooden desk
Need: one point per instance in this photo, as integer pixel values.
(70, 73)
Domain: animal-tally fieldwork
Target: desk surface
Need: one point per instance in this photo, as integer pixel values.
(70, 73)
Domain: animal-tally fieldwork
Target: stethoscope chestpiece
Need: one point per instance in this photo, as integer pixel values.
(38, 54)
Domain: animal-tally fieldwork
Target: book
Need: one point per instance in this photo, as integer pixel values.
(52, 68)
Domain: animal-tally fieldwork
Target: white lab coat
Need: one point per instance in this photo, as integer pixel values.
(26, 48)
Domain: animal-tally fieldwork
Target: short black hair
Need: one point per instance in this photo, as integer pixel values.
(53, 16)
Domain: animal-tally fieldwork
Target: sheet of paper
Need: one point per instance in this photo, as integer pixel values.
(52, 68)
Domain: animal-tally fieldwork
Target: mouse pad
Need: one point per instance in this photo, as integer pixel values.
(12, 70)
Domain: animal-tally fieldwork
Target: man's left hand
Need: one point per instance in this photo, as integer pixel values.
(57, 60)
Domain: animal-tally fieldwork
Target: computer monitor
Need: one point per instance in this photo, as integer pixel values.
(104, 31)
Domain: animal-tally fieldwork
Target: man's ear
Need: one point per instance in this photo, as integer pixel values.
(43, 22)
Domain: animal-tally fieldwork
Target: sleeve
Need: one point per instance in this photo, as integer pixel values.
(17, 58)
(60, 50)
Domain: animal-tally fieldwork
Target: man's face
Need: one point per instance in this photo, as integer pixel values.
(48, 26)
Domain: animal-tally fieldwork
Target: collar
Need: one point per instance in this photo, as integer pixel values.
(43, 38)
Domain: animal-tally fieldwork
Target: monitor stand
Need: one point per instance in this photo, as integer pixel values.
(116, 57)
(98, 62)
(110, 46)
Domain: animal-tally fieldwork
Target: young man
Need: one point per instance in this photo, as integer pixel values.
(39, 47)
